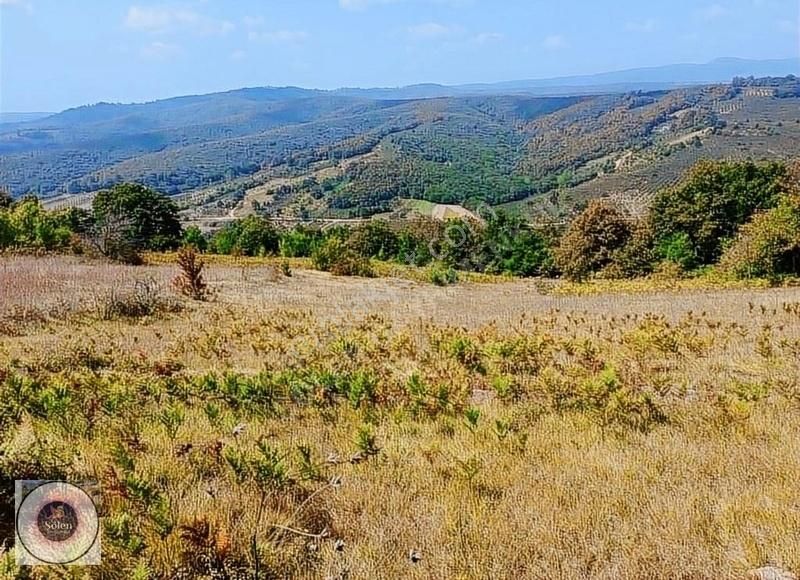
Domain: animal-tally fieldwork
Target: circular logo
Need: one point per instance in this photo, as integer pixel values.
(57, 523)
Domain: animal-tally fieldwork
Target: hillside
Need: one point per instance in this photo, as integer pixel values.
(298, 152)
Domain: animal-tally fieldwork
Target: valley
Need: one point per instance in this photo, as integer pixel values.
(298, 155)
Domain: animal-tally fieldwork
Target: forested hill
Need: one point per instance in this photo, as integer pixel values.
(290, 149)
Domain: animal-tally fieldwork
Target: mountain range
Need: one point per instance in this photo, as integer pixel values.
(355, 151)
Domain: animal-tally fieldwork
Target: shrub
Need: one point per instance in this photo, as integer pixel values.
(592, 240)
(637, 257)
(190, 282)
(251, 236)
(195, 238)
(300, 242)
(335, 257)
(441, 274)
(145, 299)
(678, 249)
(768, 246)
(512, 247)
(612, 404)
(375, 239)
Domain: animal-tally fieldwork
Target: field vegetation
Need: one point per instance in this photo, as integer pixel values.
(313, 426)
(472, 398)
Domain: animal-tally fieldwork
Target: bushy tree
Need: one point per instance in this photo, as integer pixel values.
(374, 239)
(712, 203)
(678, 249)
(75, 219)
(336, 257)
(512, 247)
(300, 242)
(769, 245)
(251, 236)
(257, 237)
(34, 227)
(418, 240)
(460, 245)
(194, 238)
(592, 240)
(151, 218)
(637, 257)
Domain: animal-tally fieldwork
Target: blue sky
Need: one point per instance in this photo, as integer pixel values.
(62, 53)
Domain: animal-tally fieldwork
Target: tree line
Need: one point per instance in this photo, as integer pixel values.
(741, 217)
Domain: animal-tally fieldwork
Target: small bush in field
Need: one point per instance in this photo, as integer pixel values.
(612, 404)
(191, 282)
(145, 299)
(335, 257)
(442, 275)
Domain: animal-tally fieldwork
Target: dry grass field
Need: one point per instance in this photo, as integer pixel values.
(319, 427)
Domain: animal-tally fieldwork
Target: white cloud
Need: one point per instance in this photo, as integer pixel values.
(714, 12)
(487, 37)
(278, 36)
(432, 30)
(158, 50)
(647, 25)
(24, 4)
(364, 4)
(162, 19)
(238, 55)
(257, 33)
(555, 42)
(253, 21)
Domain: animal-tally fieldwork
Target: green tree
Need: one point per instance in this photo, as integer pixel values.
(34, 227)
(714, 200)
(194, 237)
(512, 247)
(638, 256)
(769, 245)
(251, 236)
(257, 237)
(374, 239)
(151, 218)
(678, 249)
(336, 257)
(300, 242)
(75, 219)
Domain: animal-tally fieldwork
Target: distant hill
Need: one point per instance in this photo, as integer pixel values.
(8, 118)
(653, 78)
(294, 151)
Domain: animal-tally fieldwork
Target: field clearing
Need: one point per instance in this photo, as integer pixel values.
(493, 430)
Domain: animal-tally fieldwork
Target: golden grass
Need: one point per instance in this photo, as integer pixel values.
(500, 454)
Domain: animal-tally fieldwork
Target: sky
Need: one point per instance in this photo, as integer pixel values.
(56, 54)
